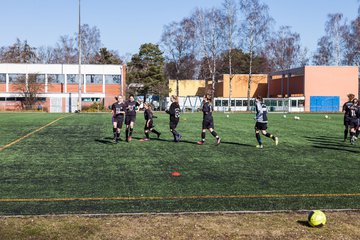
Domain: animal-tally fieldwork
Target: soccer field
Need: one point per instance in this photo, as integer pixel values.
(67, 163)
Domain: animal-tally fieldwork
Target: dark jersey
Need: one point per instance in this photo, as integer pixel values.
(174, 112)
(346, 108)
(118, 109)
(207, 110)
(131, 108)
(352, 113)
(261, 112)
(148, 115)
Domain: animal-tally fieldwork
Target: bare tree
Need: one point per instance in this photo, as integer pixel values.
(90, 42)
(46, 54)
(323, 53)
(65, 51)
(254, 31)
(177, 40)
(209, 33)
(284, 49)
(334, 28)
(230, 12)
(19, 52)
(29, 88)
(352, 43)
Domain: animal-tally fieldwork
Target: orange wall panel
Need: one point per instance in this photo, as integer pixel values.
(2, 87)
(330, 81)
(94, 88)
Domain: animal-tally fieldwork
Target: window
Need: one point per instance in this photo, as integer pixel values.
(252, 103)
(294, 103)
(225, 103)
(112, 79)
(239, 103)
(217, 103)
(74, 78)
(273, 103)
(94, 79)
(56, 78)
(38, 78)
(245, 102)
(280, 103)
(233, 103)
(13, 78)
(301, 103)
(2, 78)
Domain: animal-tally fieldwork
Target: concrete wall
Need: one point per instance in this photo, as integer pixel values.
(330, 81)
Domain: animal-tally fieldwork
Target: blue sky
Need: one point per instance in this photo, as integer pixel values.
(126, 24)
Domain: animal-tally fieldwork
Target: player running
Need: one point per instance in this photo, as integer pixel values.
(174, 112)
(118, 112)
(353, 116)
(261, 122)
(131, 107)
(347, 118)
(208, 121)
(149, 127)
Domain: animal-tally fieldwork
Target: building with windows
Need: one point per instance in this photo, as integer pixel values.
(304, 89)
(58, 85)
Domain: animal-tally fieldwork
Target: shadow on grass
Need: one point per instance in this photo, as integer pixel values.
(304, 223)
(331, 143)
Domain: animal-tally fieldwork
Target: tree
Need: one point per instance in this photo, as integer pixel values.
(29, 88)
(188, 68)
(46, 54)
(209, 34)
(90, 42)
(65, 51)
(323, 54)
(19, 52)
(254, 31)
(230, 12)
(104, 56)
(177, 40)
(331, 47)
(284, 49)
(352, 43)
(147, 68)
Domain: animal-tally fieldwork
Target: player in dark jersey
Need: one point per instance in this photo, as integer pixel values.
(118, 112)
(131, 107)
(149, 125)
(346, 110)
(174, 112)
(353, 116)
(261, 122)
(208, 121)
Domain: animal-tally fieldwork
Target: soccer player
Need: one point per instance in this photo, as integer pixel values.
(131, 107)
(118, 112)
(347, 114)
(208, 121)
(149, 127)
(261, 122)
(174, 112)
(353, 116)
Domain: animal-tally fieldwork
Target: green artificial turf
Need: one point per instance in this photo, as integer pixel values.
(75, 158)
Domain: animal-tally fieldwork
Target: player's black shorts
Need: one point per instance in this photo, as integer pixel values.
(347, 121)
(354, 123)
(207, 123)
(150, 125)
(260, 126)
(119, 120)
(173, 124)
(129, 119)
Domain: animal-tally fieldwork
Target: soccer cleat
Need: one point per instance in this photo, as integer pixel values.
(158, 135)
(276, 141)
(352, 141)
(200, 142)
(178, 137)
(260, 146)
(218, 140)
